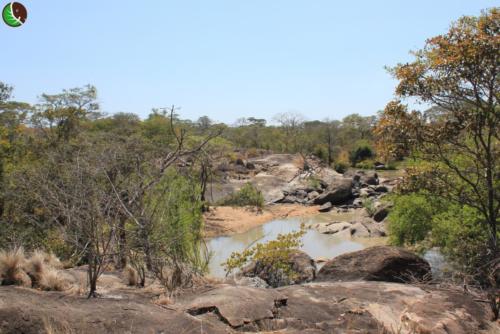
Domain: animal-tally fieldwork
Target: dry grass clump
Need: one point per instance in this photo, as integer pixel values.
(11, 268)
(163, 300)
(131, 276)
(53, 280)
(38, 271)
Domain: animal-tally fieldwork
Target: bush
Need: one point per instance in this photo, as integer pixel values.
(460, 236)
(274, 254)
(369, 205)
(410, 220)
(341, 167)
(248, 195)
(360, 153)
(366, 164)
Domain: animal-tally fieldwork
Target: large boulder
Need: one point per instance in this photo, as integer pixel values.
(341, 307)
(302, 266)
(337, 193)
(379, 263)
(362, 178)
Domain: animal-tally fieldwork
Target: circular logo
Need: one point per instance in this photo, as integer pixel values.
(14, 14)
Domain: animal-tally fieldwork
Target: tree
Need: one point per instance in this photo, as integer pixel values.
(59, 116)
(291, 122)
(457, 74)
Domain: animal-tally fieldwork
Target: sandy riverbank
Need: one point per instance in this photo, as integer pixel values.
(225, 220)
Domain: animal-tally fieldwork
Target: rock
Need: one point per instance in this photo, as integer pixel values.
(381, 189)
(317, 307)
(361, 178)
(338, 193)
(240, 169)
(312, 195)
(237, 306)
(341, 307)
(379, 263)
(250, 165)
(360, 230)
(357, 203)
(301, 194)
(255, 282)
(334, 227)
(302, 265)
(289, 199)
(325, 207)
(380, 214)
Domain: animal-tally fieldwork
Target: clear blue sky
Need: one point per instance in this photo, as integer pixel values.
(225, 59)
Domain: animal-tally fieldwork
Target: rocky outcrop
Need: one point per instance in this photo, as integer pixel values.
(317, 307)
(337, 193)
(342, 307)
(302, 266)
(379, 263)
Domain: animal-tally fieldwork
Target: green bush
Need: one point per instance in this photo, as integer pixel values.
(360, 153)
(248, 195)
(369, 205)
(460, 236)
(341, 167)
(273, 255)
(410, 220)
(366, 164)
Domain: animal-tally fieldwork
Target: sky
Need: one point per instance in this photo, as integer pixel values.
(225, 59)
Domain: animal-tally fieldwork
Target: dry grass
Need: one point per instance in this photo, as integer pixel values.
(163, 300)
(53, 327)
(11, 268)
(53, 280)
(131, 276)
(42, 268)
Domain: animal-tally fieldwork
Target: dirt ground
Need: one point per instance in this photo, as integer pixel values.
(225, 220)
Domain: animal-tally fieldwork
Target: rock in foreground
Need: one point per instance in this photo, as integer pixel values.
(379, 263)
(342, 307)
(318, 307)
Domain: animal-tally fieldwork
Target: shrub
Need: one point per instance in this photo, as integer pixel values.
(410, 220)
(341, 167)
(360, 153)
(273, 254)
(369, 205)
(366, 164)
(11, 268)
(248, 195)
(460, 236)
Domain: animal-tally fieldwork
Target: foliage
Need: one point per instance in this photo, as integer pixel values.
(274, 254)
(341, 167)
(369, 205)
(458, 233)
(248, 195)
(366, 164)
(457, 74)
(361, 152)
(410, 220)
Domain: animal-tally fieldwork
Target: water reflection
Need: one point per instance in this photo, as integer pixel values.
(315, 244)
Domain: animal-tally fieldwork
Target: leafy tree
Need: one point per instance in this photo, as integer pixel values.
(457, 73)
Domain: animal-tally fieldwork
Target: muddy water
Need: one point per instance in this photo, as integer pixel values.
(317, 245)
